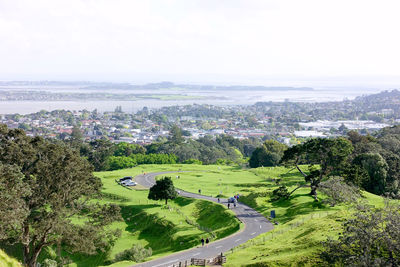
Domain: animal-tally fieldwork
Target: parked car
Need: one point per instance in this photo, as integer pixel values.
(124, 182)
(130, 183)
(125, 179)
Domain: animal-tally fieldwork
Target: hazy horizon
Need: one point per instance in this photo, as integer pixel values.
(271, 43)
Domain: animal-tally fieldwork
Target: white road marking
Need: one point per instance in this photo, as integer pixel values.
(260, 226)
(219, 247)
(253, 233)
(255, 220)
(195, 254)
(237, 240)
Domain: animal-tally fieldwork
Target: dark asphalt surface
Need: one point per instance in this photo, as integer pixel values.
(254, 225)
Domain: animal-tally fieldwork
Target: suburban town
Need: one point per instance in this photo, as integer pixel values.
(286, 122)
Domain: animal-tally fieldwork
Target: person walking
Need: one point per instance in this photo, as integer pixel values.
(202, 242)
(229, 204)
(219, 200)
(207, 241)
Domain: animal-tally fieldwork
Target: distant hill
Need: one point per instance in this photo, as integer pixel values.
(153, 86)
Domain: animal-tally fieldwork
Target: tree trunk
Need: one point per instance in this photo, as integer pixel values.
(26, 243)
(166, 201)
(314, 192)
(33, 260)
(298, 168)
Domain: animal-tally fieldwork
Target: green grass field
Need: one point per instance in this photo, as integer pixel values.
(7, 261)
(302, 223)
(166, 229)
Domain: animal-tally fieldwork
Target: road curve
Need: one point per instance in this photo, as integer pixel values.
(254, 225)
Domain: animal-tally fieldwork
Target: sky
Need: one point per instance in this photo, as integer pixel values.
(220, 41)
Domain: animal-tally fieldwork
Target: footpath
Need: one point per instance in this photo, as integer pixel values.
(254, 225)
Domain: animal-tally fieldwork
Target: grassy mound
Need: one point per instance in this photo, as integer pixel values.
(302, 222)
(166, 229)
(7, 261)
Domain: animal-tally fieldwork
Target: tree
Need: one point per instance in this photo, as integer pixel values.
(163, 189)
(325, 157)
(136, 253)
(76, 137)
(376, 168)
(57, 185)
(98, 152)
(126, 149)
(339, 192)
(12, 207)
(175, 135)
(269, 154)
(370, 238)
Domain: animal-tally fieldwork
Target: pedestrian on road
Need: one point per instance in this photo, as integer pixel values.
(202, 242)
(229, 205)
(207, 241)
(218, 200)
(234, 204)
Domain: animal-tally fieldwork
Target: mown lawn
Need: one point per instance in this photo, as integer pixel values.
(295, 241)
(302, 222)
(166, 229)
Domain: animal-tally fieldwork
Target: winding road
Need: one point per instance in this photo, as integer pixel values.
(254, 225)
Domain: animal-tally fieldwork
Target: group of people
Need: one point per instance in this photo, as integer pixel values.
(202, 241)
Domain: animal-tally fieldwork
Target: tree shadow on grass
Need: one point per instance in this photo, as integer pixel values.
(159, 232)
(294, 209)
(216, 218)
(183, 201)
(251, 185)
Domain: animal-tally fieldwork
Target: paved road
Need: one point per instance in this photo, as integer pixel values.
(254, 225)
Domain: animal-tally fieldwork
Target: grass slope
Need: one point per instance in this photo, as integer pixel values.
(7, 261)
(302, 223)
(166, 229)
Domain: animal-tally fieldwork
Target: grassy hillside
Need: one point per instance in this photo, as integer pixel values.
(166, 229)
(7, 261)
(302, 222)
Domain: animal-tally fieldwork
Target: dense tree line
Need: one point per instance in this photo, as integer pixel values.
(374, 164)
(122, 162)
(224, 149)
(371, 163)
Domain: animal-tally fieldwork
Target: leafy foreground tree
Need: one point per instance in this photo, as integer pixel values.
(163, 189)
(325, 157)
(42, 187)
(370, 238)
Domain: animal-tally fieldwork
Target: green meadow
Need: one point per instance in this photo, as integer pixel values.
(166, 229)
(301, 223)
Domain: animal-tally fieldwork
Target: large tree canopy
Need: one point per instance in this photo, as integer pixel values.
(46, 185)
(325, 156)
(163, 189)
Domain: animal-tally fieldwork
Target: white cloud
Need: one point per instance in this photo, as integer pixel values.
(188, 37)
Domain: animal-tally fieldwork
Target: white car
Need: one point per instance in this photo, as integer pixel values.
(130, 183)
